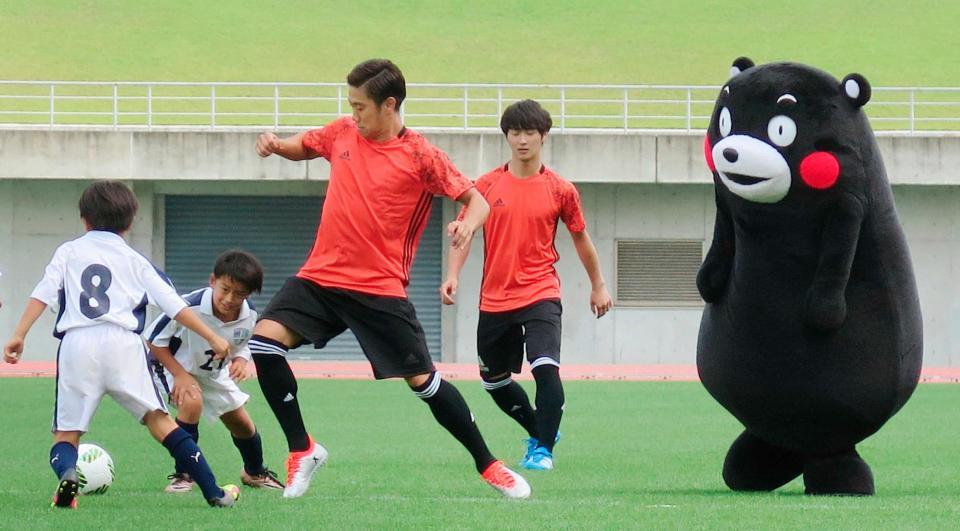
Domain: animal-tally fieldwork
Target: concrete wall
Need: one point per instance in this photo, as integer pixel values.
(628, 334)
(665, 157)
(36, 216)
(633, 186)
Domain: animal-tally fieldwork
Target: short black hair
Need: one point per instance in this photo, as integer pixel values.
(242, 267)
(526, 114)
(108, 206)
(381, 79)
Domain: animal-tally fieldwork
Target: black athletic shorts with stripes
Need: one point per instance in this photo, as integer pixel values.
(501, 337)
(387, 328)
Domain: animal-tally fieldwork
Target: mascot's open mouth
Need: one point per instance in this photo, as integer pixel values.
(751, 168)
(745, 180)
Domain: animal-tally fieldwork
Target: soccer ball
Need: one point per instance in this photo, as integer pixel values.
(94, 469)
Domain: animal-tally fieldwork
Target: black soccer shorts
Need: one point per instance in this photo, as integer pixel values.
(387, 328)
(501, 336)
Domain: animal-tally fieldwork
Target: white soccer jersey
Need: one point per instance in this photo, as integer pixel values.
(98, 279)
(192, 351)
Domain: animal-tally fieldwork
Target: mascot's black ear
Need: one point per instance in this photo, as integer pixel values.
(856, 88)
(739, 65)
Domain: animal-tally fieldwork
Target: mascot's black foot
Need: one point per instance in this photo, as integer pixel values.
(753, 465)
(844, 474)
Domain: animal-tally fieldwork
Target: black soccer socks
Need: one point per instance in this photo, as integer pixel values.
(513, 400)
(451, 411)
(280, 389)
(549, 403)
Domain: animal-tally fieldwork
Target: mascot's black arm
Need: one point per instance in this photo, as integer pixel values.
(826, 307)
(715, 270)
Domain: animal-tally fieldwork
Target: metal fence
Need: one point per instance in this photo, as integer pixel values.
(464, 107)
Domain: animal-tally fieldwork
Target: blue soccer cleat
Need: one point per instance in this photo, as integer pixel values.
(540, 459)
(532, 444)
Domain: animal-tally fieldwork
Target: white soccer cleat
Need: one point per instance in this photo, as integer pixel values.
(508, 482)
(267, 480)
(231, 493)
(301, 467)
(179, 483)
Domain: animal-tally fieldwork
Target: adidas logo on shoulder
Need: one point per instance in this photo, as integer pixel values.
(499, 203)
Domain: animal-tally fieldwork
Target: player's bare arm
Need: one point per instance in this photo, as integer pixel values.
(290, 148)
(14, 348)
(189, 319)
(600, 301)
(461, 231)
(456, 259)
(184, 384)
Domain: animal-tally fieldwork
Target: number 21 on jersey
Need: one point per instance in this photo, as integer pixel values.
(208, 366)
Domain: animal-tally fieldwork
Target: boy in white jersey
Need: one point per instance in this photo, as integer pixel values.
(102, 288)
(197, 383)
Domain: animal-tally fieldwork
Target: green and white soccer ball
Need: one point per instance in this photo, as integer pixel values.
(94, 469)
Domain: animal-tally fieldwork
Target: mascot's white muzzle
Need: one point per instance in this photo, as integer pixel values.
(752, 169)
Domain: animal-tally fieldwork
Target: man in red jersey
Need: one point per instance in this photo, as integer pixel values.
(520, 293)
(383, 177)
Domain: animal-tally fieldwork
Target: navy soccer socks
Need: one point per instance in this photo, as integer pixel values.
(194, 431)
(251, 451)
(190, 459)
(63, 460)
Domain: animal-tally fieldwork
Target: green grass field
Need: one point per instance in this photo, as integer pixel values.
(632, 455)
(457, 41)
(604, 41)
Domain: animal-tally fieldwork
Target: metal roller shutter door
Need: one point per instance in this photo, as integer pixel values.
(280, 232)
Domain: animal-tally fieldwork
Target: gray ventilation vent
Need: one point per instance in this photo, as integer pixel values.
(658, 272)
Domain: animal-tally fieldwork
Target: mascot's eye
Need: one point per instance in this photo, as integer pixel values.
(726, 123)
(782, 130)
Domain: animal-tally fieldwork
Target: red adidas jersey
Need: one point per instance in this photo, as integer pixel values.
(376, 207)
(518, 237)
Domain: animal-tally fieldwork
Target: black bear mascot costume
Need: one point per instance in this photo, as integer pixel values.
(811, 335)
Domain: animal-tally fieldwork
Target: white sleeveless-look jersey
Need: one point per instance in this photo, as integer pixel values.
(220, 393)
(192, 351)
(99, 279)
(102, 288)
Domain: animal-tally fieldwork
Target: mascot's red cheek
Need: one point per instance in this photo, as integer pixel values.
(820, 170)
(708, 153)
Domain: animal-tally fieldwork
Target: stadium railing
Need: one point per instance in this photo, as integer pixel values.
(439, 106)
